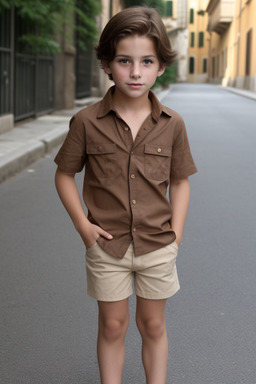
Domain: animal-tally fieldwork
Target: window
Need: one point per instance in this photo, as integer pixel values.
(191, 16)
(217, 66)
(201, 39)
(204, 65)
(169, 8)
(192, 39)
(248, 53)
(222, 63)
(213, 67)
(191, 65)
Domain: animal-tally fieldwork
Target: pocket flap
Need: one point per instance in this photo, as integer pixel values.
(100, 149)
(160, 150)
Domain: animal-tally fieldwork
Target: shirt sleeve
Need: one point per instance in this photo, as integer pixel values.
(71, 156)
(182, 164)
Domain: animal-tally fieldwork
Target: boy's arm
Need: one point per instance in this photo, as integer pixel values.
(179, 198)
(69, 195)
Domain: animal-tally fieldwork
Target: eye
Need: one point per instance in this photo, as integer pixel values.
(124, 61)
(147, 61)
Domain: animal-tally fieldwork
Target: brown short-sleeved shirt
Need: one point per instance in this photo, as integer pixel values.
(126, 180)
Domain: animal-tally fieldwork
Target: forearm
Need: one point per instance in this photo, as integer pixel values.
(69, 195)
(179, 199)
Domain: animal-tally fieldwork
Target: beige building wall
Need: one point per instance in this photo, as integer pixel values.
(232, 51)
(101, 82)
(222, 57)
(198, 41)
(245, 25)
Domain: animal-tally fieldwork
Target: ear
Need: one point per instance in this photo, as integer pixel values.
(161, 70)
(106, 67)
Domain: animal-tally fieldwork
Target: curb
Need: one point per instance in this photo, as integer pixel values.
(241, 92)
(52, 139)
(27, 154)
(16, 162)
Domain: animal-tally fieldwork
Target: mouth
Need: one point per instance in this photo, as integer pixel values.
(135, 85)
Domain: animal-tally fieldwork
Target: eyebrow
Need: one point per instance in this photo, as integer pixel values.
(144, 57)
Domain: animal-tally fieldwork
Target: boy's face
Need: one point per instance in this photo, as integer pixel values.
(135, 66)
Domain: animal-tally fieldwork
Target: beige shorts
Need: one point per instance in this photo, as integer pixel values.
(111, 279)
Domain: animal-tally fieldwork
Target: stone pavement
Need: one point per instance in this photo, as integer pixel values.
(32, 139)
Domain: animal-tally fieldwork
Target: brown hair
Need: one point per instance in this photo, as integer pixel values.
(141, 21)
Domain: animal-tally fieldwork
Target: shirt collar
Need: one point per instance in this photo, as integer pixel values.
(107, 105)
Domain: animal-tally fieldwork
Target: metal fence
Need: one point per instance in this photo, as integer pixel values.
(27, 80)
(5, 62)
(83, 72)
(34, 88)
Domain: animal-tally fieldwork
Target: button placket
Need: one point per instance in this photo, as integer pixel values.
(133, 191)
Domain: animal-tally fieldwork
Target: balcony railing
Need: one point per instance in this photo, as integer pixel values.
(221, 14)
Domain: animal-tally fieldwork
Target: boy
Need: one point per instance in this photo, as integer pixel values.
(132, 148)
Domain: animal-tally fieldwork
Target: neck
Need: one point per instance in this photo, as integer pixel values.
(125, 104)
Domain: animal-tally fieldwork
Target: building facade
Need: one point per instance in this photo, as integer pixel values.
(232, 49)
(198, 41)
(176, 25)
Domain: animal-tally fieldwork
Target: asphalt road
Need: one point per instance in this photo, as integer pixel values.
(49, 324)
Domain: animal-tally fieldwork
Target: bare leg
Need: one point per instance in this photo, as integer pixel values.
(150, 317)
(113, 325)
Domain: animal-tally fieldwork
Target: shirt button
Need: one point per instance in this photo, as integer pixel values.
(132, 176)
(134, 229)
(99, 147)
(159, 150)
(134, 202)
(126, 129)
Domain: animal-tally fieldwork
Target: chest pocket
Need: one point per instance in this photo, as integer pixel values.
(157, 161)
(102, 159)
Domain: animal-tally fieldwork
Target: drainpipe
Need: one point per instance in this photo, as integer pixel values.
(238, 41)
(12, 85)
(210, 58)
(110, 9)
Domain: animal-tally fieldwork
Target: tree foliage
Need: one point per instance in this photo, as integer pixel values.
(168, 77)
(47, 17)
(160, 5)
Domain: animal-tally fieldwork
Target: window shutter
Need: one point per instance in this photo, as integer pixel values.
(191, 16)
(192, 39)
(201, 39)
(191, 65)
(170, 8)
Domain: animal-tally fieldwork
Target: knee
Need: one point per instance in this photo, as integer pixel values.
(113, 329)
(153, 328)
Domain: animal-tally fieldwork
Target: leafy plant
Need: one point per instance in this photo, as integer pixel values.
(201, 12)
(167, 78)
(47, 17)
(160, 5)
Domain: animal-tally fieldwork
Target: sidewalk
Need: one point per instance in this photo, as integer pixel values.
(241, 92)
(30, 140)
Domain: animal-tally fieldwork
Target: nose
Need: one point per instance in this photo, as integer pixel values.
(135, 71)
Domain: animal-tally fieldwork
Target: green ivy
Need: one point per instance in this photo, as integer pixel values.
(167, 78)
(201, 12)
(160, 5)
(49, 16)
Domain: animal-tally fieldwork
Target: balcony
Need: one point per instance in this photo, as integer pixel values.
(221, 14)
